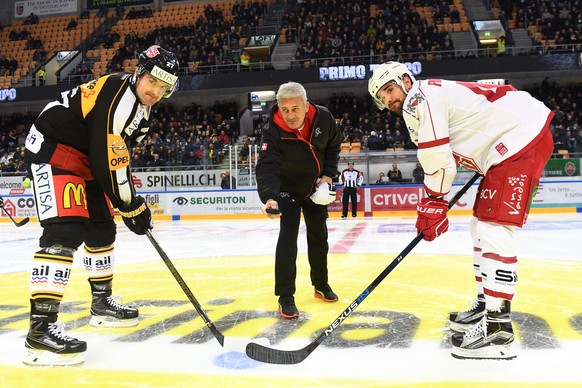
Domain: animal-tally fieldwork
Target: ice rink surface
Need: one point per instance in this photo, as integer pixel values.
(397, 337)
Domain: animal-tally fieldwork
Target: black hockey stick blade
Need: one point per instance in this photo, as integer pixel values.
(288, 357)
(18, 224)
(217, 334)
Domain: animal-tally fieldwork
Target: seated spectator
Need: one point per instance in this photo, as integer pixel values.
(31, 19)
(157, 162)
(39, 55)
(72, 25)
(399, 139)
(4, 65)
(375, 143)
(223, 138)
(12, 65)
(394, 174)
(418, 173)
(455, 15)
(10, 166)
(12, 141)
(380, 180)
(190, 159)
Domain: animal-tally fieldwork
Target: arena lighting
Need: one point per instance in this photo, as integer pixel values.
(488, 31)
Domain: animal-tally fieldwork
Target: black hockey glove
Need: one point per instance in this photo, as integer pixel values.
(137, 216)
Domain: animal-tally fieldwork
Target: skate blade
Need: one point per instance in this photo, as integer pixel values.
(493, 352)
(107, 321)
(45, 358)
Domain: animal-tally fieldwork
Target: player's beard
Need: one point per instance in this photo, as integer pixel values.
(398, 109)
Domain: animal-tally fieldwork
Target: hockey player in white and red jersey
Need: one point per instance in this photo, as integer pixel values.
(499, 132)
(77, 152)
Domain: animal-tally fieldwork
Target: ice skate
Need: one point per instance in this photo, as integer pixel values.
(107, 310)
(490, 338)
(47, 343)
(464, 320)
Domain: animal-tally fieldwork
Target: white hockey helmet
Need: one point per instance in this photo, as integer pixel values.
(386, 72)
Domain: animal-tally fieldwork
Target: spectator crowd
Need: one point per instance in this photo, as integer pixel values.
(198, 137)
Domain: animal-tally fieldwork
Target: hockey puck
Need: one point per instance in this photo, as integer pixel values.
(272, 211)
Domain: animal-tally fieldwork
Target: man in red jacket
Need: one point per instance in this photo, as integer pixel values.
(298, 158)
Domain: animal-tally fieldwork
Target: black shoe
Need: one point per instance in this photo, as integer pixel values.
(325, 292)
(354, 215)
(287, 307)
(343, 217)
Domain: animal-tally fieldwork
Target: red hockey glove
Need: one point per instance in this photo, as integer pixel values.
(432, 217)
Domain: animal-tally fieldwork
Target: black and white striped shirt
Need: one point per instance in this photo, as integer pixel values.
(351, 178)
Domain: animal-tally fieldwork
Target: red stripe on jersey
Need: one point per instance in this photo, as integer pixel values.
(433, 143)
(503, 259)
(491, 92)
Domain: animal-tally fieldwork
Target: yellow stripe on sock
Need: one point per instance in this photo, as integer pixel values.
(98, 250)
(53, 258)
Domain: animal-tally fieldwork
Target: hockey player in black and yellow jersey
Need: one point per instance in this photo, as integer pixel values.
(77, 151)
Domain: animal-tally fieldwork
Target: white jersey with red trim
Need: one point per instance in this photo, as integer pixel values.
(469, 124)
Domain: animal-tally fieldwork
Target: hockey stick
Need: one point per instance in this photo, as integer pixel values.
(217, 334)
(18, 224)
(276, 356)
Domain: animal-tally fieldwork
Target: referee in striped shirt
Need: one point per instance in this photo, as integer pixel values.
(350, 179)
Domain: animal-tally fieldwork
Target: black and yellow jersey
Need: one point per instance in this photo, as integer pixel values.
(101, 119)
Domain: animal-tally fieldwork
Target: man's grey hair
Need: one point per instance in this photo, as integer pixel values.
(291, 90)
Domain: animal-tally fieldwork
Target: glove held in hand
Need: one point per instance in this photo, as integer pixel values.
(324, 194)
(137, 216)
(432, 218)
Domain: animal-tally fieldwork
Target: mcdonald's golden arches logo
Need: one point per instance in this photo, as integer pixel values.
(75, 192)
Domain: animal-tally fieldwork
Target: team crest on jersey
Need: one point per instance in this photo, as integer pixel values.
(501, 148)
(417, 99)
(264, 147)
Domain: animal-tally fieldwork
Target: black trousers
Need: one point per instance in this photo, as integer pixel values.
(317, 246)
(350, 193)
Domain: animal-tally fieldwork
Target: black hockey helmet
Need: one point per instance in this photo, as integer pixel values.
(160, 63)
